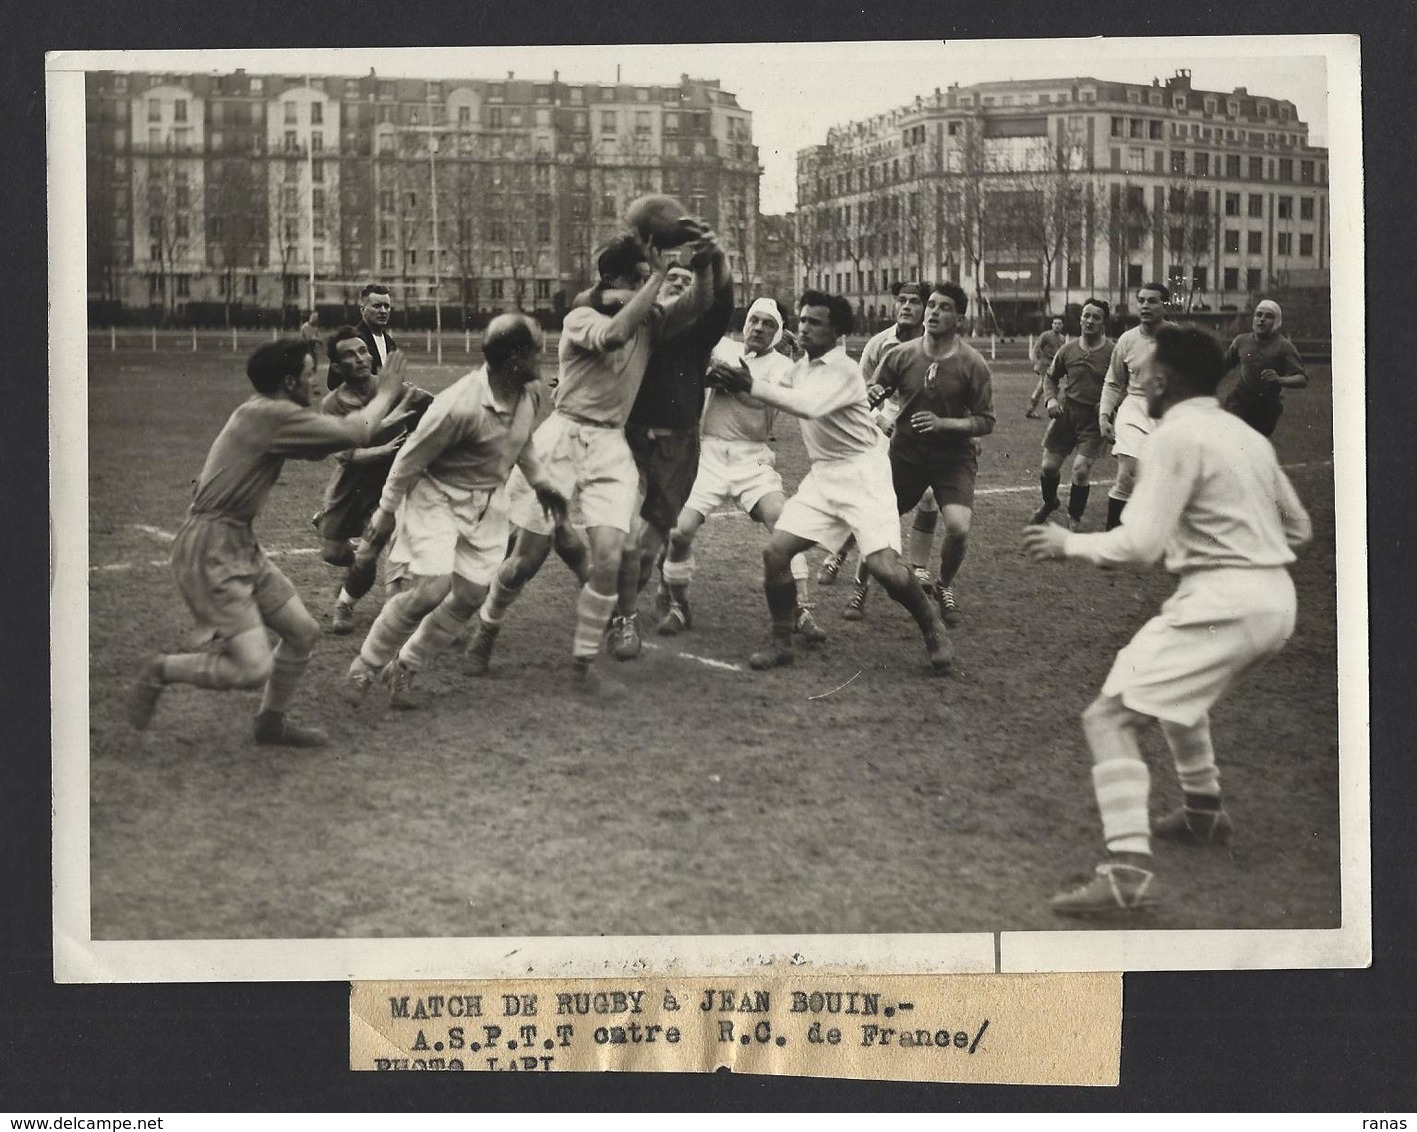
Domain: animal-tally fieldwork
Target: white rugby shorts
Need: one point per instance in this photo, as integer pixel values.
(589, 465)
(1133, 424)
(740, 471)
(855, 495)
(439, 534)
(1215, 627)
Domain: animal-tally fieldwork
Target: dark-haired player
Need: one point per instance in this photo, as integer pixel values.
(947, 402)
(1121, 414)
(446, 491)
(1073, 386)
(847, 489)
(1214, 503)
(909, 325)
(354, 489)
(1044, 351)
(233, 590)
(604, 350)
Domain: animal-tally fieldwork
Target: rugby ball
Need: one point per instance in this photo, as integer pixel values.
(660, 220)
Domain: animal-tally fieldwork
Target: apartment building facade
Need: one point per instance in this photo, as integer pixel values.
(258, 192)
(1037, 193)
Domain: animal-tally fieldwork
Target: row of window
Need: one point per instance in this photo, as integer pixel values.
(871, 282)
(1228, 165)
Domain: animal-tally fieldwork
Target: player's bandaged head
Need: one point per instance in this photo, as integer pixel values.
(272, 363)
(767, 308)
(1193, 354)
(1273, 308)
(913, 287)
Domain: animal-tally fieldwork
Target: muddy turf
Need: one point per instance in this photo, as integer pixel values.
(852, 793)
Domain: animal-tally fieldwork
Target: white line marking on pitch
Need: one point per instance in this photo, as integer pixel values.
(158, 532)
(708, 660)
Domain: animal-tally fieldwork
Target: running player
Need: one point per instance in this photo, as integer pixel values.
(1044, 351)
(605, 347)
(947, 403)
(846, 487)
(909, 326)
(1268, 365)
(446, 493)
(736, 464)
(354, 489)
(663, 434)
(1074, 388)
(233, 590)
(1122, 416)
(1215, 503)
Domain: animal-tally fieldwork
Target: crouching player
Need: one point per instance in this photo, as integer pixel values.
(736, 464)
(447, 494)
(848, 488)
(234, 591)
(1213, 500)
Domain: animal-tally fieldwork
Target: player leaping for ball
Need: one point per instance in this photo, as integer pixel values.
(446, 491)
(847, 489)
(1213, 500)
(736, 463)
(603, 353)
(233, 590)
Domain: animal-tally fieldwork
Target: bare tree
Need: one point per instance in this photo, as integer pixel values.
(1128, 223)
(167, 191)
(1190, 229)
(804, 232)
(463, 189)
(237, 224)
(972, 181)
(1045, 218)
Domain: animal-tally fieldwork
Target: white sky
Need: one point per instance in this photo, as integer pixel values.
(796, 91)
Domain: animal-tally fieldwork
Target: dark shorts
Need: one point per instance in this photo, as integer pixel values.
(668, 463)
(225, 577)
(952, 480)
(1260, 413)
(348, 505)
(1077, 429)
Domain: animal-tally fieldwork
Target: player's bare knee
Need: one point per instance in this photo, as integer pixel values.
(252, 671)
(303, 634)
(427, 594)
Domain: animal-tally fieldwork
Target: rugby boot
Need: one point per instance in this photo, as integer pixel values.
(625, 643)
(949, 608)
(1041, 515)
(342, 621)
(830, 568)
(357, 682)
(805, 626)
(399, 679)
(856, 607)
(142, 699)
(1194, 827)
(1115, 887)
(676, 619)
(274, 730)
(479, 650)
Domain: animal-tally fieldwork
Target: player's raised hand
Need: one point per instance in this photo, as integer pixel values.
(1044, 542)
(552, 502)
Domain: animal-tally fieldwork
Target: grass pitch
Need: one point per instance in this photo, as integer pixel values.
(850, 793)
